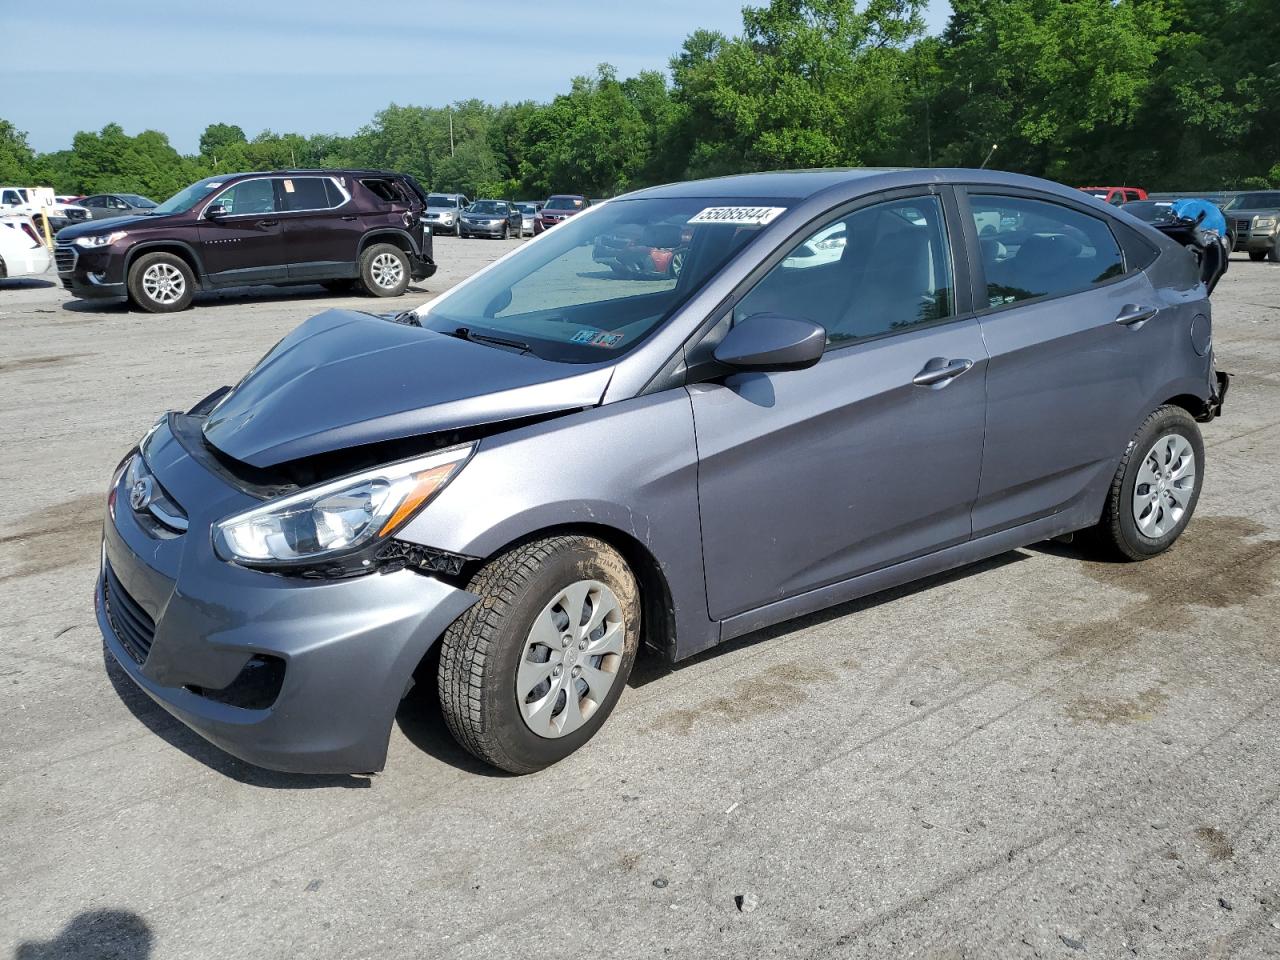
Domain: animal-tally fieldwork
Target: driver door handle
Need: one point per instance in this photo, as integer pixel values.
(940, 370)
(268, 223)
(1132, 314)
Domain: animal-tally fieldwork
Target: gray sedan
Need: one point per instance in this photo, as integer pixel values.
(511, 491)
(498, 219)
(104, 206)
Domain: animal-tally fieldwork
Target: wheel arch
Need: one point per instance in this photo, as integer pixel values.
(397, 238)
(657, 612)
(178, 248)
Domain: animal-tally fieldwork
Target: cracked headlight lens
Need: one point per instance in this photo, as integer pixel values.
(337, 517)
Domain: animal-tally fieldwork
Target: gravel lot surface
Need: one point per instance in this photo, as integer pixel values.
(1038, 756)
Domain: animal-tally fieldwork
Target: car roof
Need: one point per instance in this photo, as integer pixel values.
(798, 185)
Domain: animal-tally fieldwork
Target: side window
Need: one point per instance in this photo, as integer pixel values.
(94, 203)
(303, 193)
(880, 269)
(249, 197)
(1033, 248)
(11, 198)
(333, 193)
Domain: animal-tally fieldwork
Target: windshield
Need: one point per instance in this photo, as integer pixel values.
(565, 203)
(440, 200)
(528, 208)
(136, 201)
(598, 284)
(184, 200)
(487, 206)
(1256, 201)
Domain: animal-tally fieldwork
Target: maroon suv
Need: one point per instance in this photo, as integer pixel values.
(560, 207)
(341, 228)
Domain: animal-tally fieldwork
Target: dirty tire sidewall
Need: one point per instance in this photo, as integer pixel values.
(1118, 524)
(372, 253)
(481, 651)
(136, 286)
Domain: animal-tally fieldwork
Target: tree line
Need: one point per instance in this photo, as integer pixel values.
(1166, 94)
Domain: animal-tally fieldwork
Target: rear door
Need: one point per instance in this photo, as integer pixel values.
(869, 458)
(247, 243)
(1065, 380)
(322, 227)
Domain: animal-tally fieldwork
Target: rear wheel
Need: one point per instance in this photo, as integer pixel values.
(532, 671)
(161, 283)
(1156, 487)
(384, 270)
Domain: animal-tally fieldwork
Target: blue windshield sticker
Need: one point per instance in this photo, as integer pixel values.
(584, 336)
(597, 338)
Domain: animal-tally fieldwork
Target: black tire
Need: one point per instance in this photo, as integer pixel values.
(1273, 255)
(373, 261)
(481, 652)
(138, 283)
(506, 231)
(1257, 256)
(346, 285)
(1117, 533)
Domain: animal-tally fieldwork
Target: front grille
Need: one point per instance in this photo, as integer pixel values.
(132, 626)
(66, 258)
(77, 214)
(1242, 226)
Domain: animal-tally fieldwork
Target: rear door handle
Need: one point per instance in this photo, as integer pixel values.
(348, 217)
(268, 223)
(939, 370)
(1132, 314)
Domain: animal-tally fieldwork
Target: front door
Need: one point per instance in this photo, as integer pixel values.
(246, 243)
(872, 456)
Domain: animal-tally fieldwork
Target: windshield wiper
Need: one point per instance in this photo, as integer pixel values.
(465, 333)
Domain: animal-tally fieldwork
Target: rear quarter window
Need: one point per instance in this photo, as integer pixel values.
(391, 191)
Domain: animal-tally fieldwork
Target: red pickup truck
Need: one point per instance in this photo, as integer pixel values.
(1117, 195)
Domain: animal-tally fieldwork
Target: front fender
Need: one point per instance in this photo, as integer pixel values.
(630, 466)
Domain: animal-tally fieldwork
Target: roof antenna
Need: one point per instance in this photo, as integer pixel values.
(990, 153)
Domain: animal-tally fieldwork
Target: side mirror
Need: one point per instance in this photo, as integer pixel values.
(215, 211)
(770, 341)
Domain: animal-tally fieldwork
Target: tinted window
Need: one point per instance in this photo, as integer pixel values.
(1031, 248)
(249, 197)
(441, 200)
(1255, 201)
(488, 206)
(334, 193)
(878, 270)
(565, 203)
(303, 193)
(95, 203)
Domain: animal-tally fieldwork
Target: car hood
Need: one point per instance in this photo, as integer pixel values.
(442, 209)
(343, 379)
(88, 228)
(1256, 212)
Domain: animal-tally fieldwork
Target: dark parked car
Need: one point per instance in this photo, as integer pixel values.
(557, 209)
(544, 469)
(491, 218)
(104, 205)
(336, 227)
(1255, 217)
(444, 212)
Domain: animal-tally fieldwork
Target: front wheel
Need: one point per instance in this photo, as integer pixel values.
(532, 671)
(1155, 489)
(1257, 256)
(384, 270)
(161, 283)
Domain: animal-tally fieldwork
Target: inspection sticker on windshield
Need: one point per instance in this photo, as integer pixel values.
(741, 216)
(597, 338)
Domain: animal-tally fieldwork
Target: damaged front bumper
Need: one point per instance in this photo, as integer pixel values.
(287, 673)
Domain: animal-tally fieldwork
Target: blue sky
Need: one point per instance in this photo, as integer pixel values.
(318, 66)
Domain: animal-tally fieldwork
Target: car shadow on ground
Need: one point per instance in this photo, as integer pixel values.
(24, 283)
(173, 732)
(247, 296)
(651, 667)
(94, 935)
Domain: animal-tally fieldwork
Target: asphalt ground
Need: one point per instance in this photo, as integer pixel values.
(1037, 756)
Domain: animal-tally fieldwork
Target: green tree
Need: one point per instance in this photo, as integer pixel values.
(17, 160)
(217, 137)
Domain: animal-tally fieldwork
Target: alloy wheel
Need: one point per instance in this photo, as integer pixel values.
(387, 271)
(1164, 485)
(570, 659)
(164, 283)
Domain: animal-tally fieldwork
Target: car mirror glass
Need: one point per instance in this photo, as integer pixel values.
(215, 211)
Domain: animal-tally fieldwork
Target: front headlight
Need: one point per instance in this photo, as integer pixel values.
(1265, 223)
(338, 517)
(101, 239)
